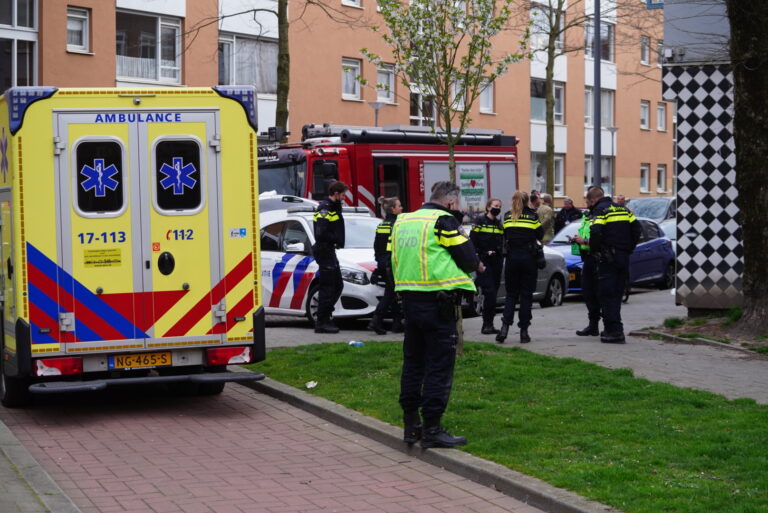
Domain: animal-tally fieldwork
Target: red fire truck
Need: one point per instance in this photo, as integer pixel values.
(390, 161)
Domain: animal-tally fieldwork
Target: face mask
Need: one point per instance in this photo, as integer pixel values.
(495, 211)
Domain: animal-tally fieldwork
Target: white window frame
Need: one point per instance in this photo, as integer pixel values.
(19, 36)
(352, 3)
(457, 100)
(539, 18)
(606, 107)
(610, 29)
(607, 169)
(645, 115)
(661, 178)
(385, 75)
(419, 118)
(661, 117)
(164, 73)
(645, 50)
(261, 79)
(645, 177)
(83, 17)
(589, 105)
(559, 93)
(486, 98)
(659, 52)
(351, 69)
(539, 160)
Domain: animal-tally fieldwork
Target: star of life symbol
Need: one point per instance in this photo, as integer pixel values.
(99, 178)
(178, 176)
(4, 154)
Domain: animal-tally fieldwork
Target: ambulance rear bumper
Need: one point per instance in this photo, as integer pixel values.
(57, 387)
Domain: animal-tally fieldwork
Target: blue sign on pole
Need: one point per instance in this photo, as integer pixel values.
(655, 4)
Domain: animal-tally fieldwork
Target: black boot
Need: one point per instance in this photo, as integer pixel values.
(435, 435)
(488, 328)
(375, 325)
(524, 337)
(412, 427)
(325, 326)
(502, 335)
(612, 338)
(590, 331)
(397, 325)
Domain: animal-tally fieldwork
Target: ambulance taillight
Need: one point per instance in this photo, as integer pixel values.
(66, 366)
(228, 355)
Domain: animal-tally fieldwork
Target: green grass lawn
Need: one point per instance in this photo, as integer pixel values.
(638, 446)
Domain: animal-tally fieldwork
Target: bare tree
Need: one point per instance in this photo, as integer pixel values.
(749, 56)
(556, 27)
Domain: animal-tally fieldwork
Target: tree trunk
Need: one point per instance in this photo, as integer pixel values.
(283, 67)
(550, 101)
(749, 54)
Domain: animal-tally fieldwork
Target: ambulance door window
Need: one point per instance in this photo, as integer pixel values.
(99, 177)
(324, 172)
(177, 175)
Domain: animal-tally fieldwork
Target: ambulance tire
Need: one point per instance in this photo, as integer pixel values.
(312, 303)
(14, 392)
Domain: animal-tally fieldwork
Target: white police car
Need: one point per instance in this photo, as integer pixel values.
(288, 271)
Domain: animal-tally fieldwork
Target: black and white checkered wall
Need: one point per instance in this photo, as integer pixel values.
(709, 251)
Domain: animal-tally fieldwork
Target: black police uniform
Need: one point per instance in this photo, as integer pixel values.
(429, 345)
(589, 287)
(521, 237)
(488, 237)
(613, 235)
(388, 301)
(329, 235)
(566, 216)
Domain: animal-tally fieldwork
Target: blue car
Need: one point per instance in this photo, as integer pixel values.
(652, 264)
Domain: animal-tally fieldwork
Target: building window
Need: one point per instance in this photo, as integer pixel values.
(645, 177)
(17, 13)
(606, 107)
(645, 114)
(350, 83)
(17, 44)
(661, 178)
(542, 27)
(645, 50)
(539, 173)
(385, 83)
(486, 98)
(246, 60)
(78, 30)
(606, 40)
(661, 117)
(660, 52)
(606, 174)
(539, 102)
(352, 3)
(422, 109)
(458, 96)
(148, 48)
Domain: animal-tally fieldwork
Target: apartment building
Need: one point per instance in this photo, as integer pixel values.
(172, 43)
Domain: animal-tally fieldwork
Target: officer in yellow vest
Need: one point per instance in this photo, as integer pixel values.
(589, 282)
(432, 260)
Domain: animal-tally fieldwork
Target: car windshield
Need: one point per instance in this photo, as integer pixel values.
(568, 231)
(670, 229)
(283, 178)
(360, 231)
(654, 208)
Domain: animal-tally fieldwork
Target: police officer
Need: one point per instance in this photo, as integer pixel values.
(329, 235)
(613, 235)
(383, 254)
(522, 233)
(488, 237)
(431, 260)
(580, 246)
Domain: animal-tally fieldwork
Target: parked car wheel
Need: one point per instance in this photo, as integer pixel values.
(14, 392)
(668, 281)
(313, 301)
(554, 293)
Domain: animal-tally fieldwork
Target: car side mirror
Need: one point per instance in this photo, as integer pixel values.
(295, 247)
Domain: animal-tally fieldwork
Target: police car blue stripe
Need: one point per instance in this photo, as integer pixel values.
(301, 268)
(279, 267)
(82, 294)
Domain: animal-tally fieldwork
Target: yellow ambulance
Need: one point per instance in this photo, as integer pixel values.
(129, 248)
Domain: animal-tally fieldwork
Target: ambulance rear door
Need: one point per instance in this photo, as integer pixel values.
(140, 245)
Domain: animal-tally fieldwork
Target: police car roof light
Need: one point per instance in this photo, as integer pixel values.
(300, 209)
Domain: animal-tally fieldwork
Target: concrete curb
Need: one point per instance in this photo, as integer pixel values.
(691, 341)
(527, 489)
(41, 484)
